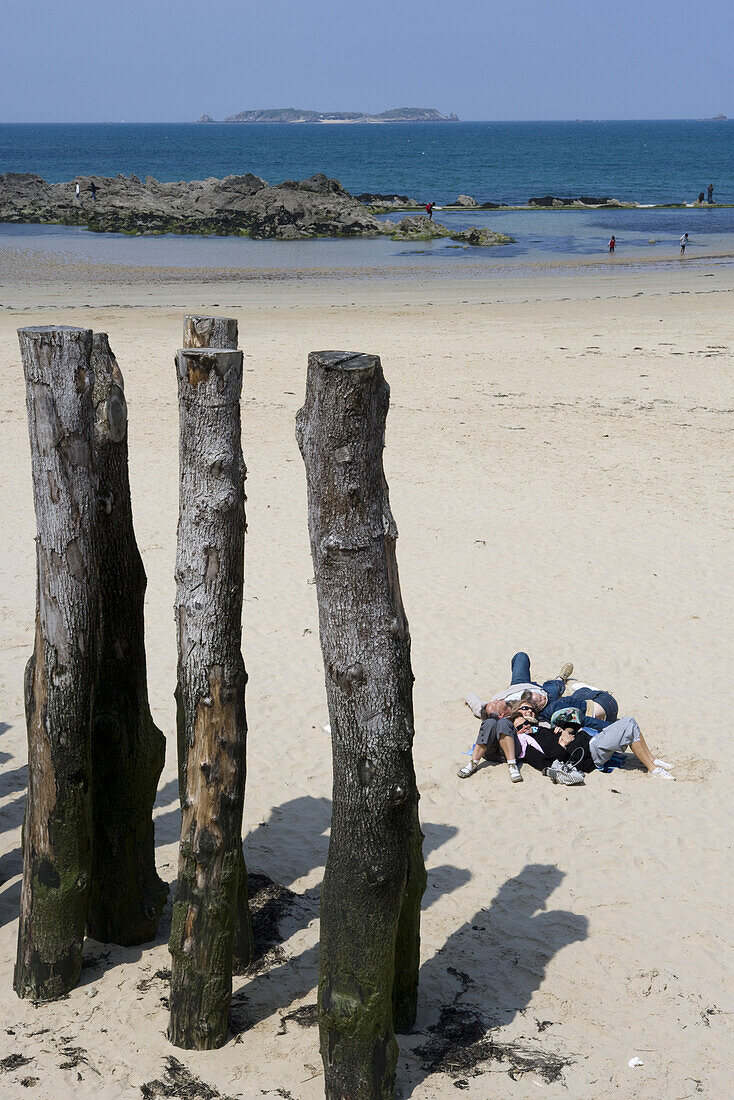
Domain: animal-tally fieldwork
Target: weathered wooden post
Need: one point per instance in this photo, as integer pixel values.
(210, 694)
(375, 877)
(221, 332)
(60, 676)
(128, 750)
(209, 332)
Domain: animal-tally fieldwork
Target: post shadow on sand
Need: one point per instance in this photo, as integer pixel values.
(262, 993)
(487, 971)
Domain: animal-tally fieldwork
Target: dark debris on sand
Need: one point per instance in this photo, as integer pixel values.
(270, 902)
(160, 976)
(306, 1016)
(461, 1044)
(13, 1061)
(179, 1084)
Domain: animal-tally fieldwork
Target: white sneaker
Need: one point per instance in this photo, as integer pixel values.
(662, 764)
(474, 704)
(515, 773)
(661, 773)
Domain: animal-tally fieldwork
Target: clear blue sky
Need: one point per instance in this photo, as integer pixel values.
(169, 60)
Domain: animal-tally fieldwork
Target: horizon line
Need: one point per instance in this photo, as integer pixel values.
(407, 122)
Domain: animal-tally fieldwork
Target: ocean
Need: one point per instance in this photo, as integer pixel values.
(647, 162)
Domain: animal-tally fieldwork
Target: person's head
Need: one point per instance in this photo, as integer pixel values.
(497, 708)
(523, 715)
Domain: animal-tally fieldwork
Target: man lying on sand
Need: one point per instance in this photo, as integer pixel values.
(538, 724)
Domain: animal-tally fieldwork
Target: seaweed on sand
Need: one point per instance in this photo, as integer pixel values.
(270, 902)
(179, 1085)
(462, 1042)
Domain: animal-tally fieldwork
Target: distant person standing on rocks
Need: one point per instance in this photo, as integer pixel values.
(612, 243)
(429, 210)
(710, 190)
(77, 192)
(700, 198)
(683, 243)
(93, 189)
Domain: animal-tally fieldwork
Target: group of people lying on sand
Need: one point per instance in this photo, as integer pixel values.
(563, 736)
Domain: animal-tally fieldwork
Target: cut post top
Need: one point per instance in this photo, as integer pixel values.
(345, 361)
(45, 330)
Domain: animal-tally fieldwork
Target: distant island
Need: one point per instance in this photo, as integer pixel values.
(292, 114)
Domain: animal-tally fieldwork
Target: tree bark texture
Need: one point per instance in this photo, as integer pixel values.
(375, 877)
(221, 332)
(60, 676)
(210, 332)
(128, 750)
(210, 694)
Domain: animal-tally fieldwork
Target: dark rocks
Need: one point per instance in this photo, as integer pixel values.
(243, 205)
(387, 202)
(585, 200)
(418, 229)
(482, 238)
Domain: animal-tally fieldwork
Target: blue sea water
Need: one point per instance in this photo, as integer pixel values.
(647, 162)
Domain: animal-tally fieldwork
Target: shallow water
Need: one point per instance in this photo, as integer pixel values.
(540, 236)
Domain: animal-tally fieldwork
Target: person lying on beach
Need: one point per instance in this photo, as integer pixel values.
(521, 685)
(598, 706)
(494, 733)
(568, 739)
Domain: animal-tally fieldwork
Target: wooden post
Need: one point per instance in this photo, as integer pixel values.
(210, 694)
(60, 676)
(128, 750)
(221, 332)
(375, 877)
(210, 332)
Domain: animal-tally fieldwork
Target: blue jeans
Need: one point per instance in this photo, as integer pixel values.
(579, 699)
(520, 665)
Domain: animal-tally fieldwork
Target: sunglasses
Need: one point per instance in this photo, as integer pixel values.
(523, 725)
(528, 708)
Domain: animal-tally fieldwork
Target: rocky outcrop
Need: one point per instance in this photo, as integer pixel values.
(583, 200)
(482, 238)
(418, 229)
(386, 202)
(205, 118)
(465, 200)
(241, 205)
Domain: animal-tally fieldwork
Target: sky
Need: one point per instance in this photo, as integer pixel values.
(171, 60)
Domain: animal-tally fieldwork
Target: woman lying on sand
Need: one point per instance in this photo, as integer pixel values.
(522, 736)
(568, 739)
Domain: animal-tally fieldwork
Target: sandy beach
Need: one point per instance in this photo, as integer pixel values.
(559, 458)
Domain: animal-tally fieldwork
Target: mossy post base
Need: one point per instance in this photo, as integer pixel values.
(60, 676)
(210, 694)
(128, 750)
(374, 879)
(221, 332)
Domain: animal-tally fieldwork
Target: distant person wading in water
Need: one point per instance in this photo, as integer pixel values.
(429, 210)
(612, 243)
